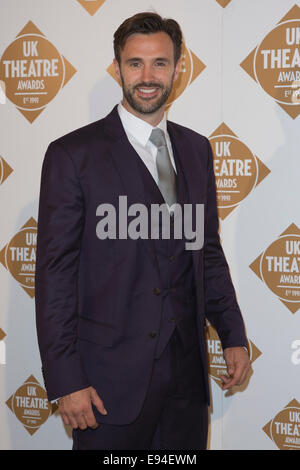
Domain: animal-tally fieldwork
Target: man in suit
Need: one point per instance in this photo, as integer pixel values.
(120, 320)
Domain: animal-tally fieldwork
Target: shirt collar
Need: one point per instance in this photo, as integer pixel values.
(138, 128)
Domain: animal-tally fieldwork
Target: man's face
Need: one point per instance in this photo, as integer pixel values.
(147, 72)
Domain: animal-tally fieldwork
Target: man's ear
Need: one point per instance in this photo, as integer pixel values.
(177, 69)
(117, 70)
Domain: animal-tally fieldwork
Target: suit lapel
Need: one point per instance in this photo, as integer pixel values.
(126, 163)
(183, 154)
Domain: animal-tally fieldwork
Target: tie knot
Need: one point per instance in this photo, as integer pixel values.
(157, 137)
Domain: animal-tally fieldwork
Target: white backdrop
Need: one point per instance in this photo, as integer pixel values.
(220, 98)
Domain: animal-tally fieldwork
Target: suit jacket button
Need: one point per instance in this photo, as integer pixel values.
(156, 290)
(152, 334)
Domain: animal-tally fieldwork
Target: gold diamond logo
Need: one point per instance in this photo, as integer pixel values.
(284, 428)
(279, 267)
(237, 170)
(5, 170)
(91, 6)
(30, 405)
(2, 334)
(274, 63)
(223, 3)
(33, 71)
(19, 256)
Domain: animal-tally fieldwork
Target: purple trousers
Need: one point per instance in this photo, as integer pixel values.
(174, 415)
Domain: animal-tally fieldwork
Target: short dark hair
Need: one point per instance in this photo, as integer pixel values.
(147, 23)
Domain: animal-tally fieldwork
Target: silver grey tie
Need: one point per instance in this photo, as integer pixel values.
(165, 170)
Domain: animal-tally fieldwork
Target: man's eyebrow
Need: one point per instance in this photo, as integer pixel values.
(134, 59)
(139, 59)
(162, 59)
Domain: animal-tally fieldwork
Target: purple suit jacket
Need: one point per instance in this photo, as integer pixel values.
(95, 299)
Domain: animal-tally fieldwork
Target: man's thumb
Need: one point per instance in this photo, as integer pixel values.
(96, 400)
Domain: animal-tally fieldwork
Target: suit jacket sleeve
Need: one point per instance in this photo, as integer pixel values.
(60, 227)
(221, 306)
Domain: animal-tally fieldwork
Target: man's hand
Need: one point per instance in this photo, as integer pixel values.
(76, 408)
(238, 365)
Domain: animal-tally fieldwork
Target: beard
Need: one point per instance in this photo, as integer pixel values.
(147, 105)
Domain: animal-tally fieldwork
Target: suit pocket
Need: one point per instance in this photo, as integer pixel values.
(95, 332)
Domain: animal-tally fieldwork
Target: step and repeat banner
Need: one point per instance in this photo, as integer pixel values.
(239, 86)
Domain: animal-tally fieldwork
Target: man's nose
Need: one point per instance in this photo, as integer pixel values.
(147, 74)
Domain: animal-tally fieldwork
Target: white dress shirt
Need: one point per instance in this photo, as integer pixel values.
(138, 132)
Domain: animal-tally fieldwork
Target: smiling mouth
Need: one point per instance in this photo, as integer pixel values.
(147, 92)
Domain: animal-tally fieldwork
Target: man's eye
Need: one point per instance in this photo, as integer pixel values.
(161, 64)
(135, 64)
